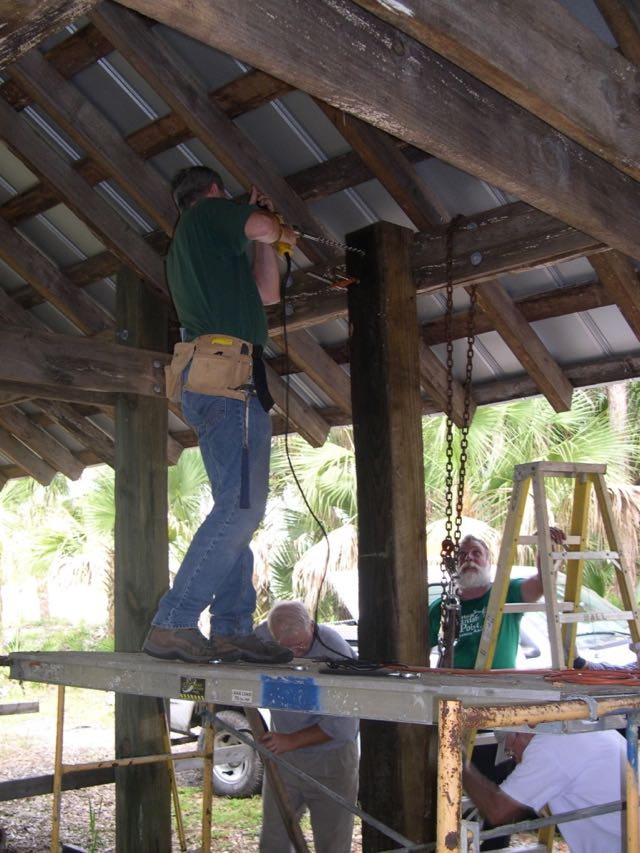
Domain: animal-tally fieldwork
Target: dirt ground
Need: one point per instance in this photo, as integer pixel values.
(87, 816)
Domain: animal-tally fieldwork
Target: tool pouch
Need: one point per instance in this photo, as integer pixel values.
(220, 365)
(173, 371)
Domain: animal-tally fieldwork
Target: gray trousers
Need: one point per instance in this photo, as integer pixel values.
(331, 823)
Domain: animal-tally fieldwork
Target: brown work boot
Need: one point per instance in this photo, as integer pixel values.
(255, 650)
(187, 644)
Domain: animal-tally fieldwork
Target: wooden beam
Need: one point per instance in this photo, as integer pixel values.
(389, 165)
(433, 379)
(87, 204)
(508, 239)
(620, 278)
(18, 424)
(305, 351)
(619, 16)
(391, 516)
(541, 57)
(50, 359)
(96, 135)
(81, 428)
(77, 306)
(141, 576)
(302, 417)
(435, 106)
(27, 22)
(28, 461)
(160, 65)
(525, 344)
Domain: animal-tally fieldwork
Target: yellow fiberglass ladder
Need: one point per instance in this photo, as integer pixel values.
(562, 615)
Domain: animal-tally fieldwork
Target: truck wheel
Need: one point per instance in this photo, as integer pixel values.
(242, 778)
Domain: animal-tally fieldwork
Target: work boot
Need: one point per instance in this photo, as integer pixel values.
(254, 650)
(187, 644)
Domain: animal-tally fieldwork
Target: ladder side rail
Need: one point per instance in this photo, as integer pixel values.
(575, 566)
(498, 595)
(623, 570)
(547, 569)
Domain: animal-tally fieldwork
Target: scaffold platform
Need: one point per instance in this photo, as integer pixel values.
(391, 694)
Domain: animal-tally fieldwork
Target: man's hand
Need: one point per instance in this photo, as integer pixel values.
(278, 743)
(261, 199)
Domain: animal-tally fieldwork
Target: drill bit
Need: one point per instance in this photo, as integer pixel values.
(327, 242)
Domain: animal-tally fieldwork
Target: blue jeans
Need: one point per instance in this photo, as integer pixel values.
(217, 570)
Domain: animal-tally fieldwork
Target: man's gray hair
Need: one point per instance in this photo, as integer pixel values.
(190, 184)
(288, 614)
(471, 538)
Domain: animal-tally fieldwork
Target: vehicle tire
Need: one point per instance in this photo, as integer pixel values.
(239, 778)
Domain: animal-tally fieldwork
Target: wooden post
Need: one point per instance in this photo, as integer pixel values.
(143, 812)
(395, 780)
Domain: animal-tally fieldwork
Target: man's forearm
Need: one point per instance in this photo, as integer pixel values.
(492, 803)
(266, 273)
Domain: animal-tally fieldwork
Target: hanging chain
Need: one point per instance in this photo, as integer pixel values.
(450, 601)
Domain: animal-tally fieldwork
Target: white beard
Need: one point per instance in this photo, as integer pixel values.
(473, 576)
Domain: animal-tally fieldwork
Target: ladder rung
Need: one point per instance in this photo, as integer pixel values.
(584, 555)
(534, 539)
(593, 616)
(536, 607)
(558, 469)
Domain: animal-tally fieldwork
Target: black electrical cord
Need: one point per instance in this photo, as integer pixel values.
(283, 286)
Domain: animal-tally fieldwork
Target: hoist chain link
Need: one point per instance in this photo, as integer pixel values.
(450, 601)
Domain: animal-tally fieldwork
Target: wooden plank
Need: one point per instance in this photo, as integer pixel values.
(18, 789)
(541, 57)
(396, 174)
(433, 378)
(37, 439)
(620, 278)
(160, 65)
(143, 813)
(7, 708)
(51, 359)
(97, 136)
(525, 344)
(619, 16)
(48, 280)
(305, 351)
(435, 106)
(391, 515)
(100, 217)
(540, 306)
(302, 417)
(81, 428)
(28, 461)
(27, 22)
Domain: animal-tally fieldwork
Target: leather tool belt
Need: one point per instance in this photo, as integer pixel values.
(219, 365)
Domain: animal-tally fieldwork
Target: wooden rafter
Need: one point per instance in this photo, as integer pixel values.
(466, 127)
(159, 64)
(47, 279)
(525, 344)
(305, 351)
(78, 195)
(26, 22)
(96, 135)
(623, 19)
(540, 56)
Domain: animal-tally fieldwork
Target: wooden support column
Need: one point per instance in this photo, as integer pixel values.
(395, 781)
(143, 813)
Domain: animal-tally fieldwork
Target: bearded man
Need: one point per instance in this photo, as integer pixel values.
(474, 587)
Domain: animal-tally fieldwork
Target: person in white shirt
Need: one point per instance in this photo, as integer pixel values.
(565, 772)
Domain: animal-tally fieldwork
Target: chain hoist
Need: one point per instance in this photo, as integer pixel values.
(450, 600)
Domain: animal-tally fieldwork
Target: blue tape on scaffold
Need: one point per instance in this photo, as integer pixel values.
(290, 693)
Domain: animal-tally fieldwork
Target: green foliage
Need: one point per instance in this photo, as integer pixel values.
(58, 635)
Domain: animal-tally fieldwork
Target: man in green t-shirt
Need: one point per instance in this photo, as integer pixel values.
(474, 587)
(219, 296)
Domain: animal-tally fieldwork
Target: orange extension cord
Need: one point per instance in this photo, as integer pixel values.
(623, 677)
